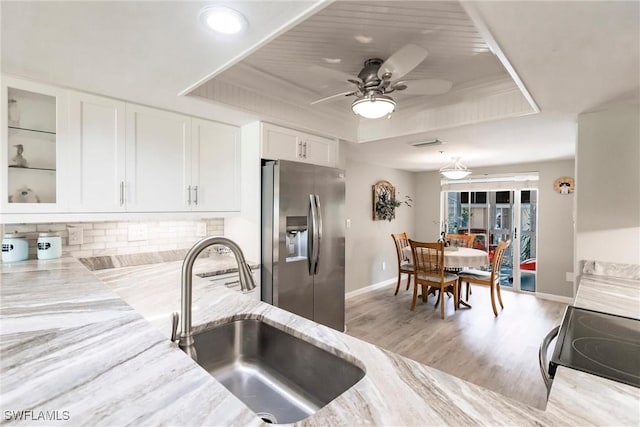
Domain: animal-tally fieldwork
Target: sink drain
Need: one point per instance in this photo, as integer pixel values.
(267, 417)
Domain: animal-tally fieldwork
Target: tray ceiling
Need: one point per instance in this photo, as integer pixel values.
(346, 33)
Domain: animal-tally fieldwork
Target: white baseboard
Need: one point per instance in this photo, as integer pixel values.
(370, 288)
(552, 297)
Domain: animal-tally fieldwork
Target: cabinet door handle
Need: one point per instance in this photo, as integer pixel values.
(195, 195)
(299, 154)
(305, 149)
(121, 193)
(189, 195)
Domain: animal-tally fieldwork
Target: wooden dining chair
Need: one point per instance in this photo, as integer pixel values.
(486, 278)
(461, 240)
(401, 240)
(428, 262)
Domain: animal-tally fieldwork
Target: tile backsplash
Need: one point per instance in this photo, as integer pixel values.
(114, 238)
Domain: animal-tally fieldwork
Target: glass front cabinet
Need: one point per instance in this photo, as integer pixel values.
(33, 128)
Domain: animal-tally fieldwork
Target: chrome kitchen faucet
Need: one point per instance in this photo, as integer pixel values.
(186, 342)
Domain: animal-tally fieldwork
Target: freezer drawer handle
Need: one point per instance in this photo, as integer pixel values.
(542, 357)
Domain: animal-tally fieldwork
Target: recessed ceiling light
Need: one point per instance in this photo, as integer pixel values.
(332, 60)
(223, 19)
(363, 39)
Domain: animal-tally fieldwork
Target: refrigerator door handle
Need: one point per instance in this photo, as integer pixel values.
(311, 232)
(318, 233)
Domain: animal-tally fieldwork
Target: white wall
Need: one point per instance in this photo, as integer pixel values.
(244, 229)
(555, 220)
(608, 186)
(369, 242)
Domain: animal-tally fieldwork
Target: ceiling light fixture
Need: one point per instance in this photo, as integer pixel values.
(373, 106)
(223, 19)
(455, 170)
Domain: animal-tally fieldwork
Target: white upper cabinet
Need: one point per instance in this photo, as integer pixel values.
(97, 138)
(68, 152)
(34, 143)
(319, 151)
(157, 160)
(215, 166)
(278, 143)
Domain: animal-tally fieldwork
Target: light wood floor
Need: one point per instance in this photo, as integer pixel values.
(498, 353)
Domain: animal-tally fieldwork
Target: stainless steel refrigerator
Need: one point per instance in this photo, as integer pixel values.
(303, 240)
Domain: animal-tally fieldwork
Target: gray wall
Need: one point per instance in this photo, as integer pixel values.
(369, 242)
(555, 219)
(608, 186)
(427, 206)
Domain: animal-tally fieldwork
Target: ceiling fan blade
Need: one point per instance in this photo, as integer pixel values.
(403, 61)
(333, 97)
(331, 74)
(427, 86)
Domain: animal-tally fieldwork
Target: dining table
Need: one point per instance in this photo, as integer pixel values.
(457, 258)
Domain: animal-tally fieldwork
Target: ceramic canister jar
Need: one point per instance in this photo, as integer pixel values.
(15, 247)
(49, 246)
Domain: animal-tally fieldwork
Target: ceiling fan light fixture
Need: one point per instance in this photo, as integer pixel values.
(373, 106)
(223, 20)
(455, 170)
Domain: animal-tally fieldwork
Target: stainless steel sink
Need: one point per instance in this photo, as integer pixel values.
(282, 378)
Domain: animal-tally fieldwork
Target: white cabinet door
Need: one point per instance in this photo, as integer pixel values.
(215, 166)
(319, 151)
(280, 143)
(157, 160)
(97, 163)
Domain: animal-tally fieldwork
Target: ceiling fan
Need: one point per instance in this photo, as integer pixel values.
(379, 78)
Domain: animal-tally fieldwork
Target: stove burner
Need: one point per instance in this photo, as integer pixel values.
(609, 353)
(606, 327)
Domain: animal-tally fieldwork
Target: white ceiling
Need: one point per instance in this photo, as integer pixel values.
(572, 57)
(144, 51)
(532, 138)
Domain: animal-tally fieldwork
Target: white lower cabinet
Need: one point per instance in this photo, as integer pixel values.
(278, 143)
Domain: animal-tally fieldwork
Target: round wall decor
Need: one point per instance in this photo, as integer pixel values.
(564, 185)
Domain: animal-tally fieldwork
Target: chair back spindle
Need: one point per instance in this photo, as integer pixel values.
(401, 241)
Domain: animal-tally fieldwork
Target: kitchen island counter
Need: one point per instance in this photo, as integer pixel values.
(69, 343)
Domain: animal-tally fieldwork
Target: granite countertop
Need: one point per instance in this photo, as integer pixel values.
(69, 343)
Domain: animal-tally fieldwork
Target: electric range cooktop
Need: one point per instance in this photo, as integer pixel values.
(599, 343)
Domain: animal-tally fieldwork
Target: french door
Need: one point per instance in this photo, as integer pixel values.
(494, 216)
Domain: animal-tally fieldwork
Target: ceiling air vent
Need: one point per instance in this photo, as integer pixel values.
(429, 143)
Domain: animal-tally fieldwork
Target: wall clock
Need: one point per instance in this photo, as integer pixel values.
(564, 185)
